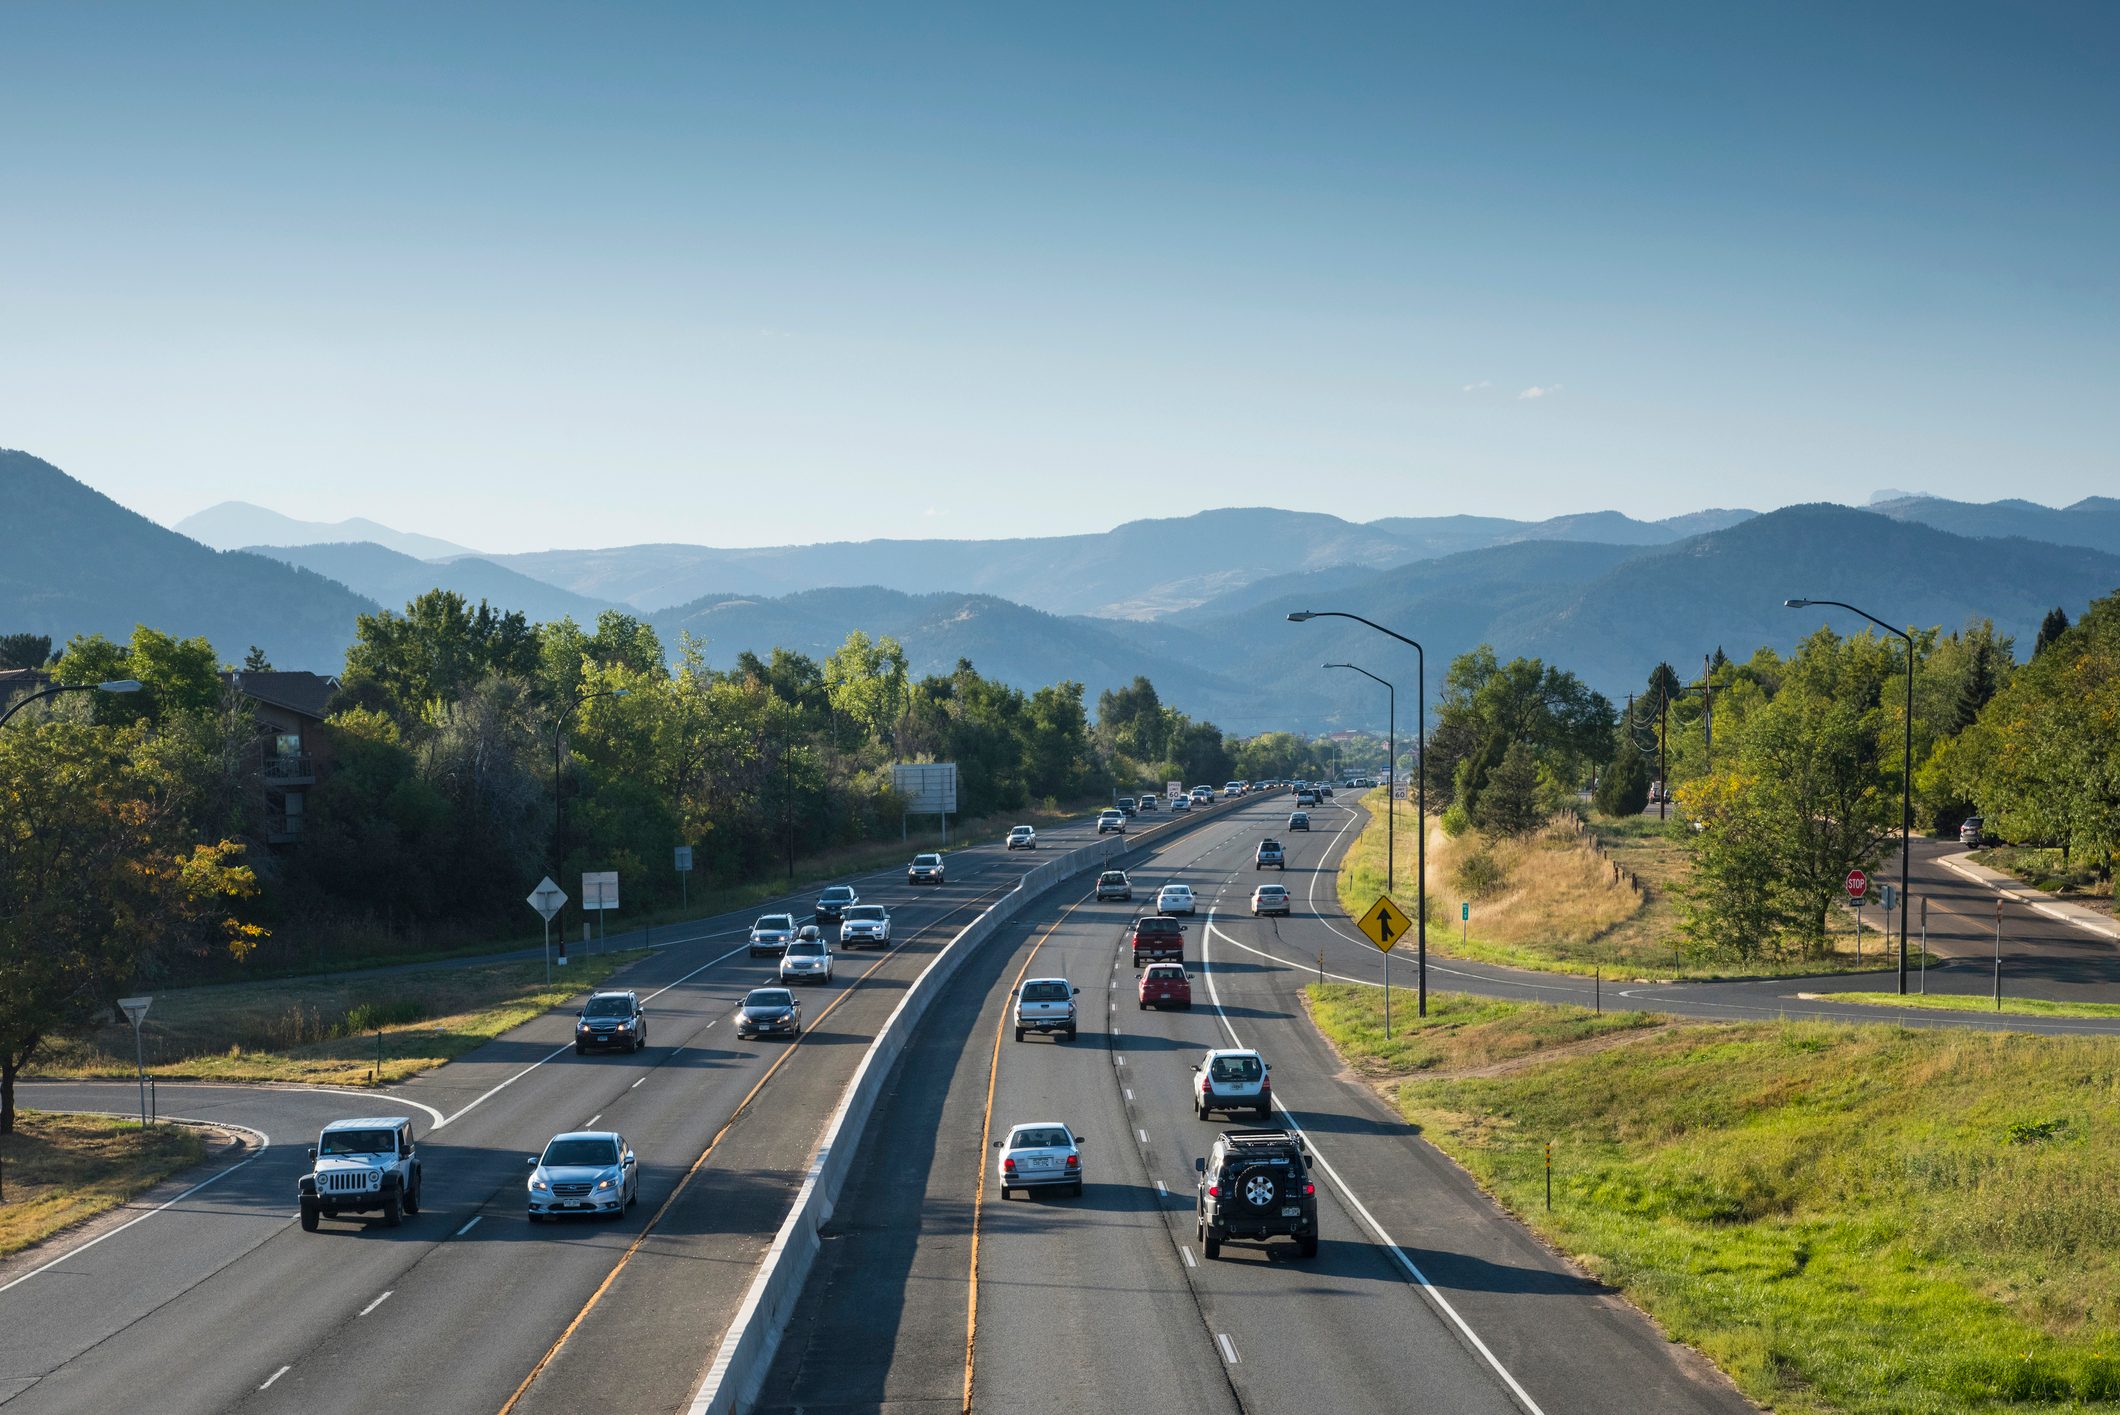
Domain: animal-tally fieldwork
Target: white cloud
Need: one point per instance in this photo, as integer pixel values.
(1534, 391)
(1476, 387)
(933, 511)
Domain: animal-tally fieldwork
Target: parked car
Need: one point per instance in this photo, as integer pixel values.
(1156, 938)
(865, 926)
(361, 1166)
(1176, 899)
(771, 933)
(611, 1019)
(808, 959)
(768, 1012)
(1111, 820)
(1165, 985)
(583, 1172)
(1269, 899)
(834, 901)
(1113, 884)
(1046, 1005)
(1230, 1079)
(1040, 1155)
(1269, 853)
(1022, 838)
(1255, 1184)
(1299, 820)
(925, 869)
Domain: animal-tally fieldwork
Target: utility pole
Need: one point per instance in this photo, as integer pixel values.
(1663, 733)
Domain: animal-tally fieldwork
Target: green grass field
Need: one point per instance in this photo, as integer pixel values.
(2011, 1006)
(1855, 1219)
(63, 1169)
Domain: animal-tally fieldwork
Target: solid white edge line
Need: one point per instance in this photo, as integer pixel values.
(468, 1227)
(264, 1144)
(1391, 1245)
(375, 1304)
(275, 1376)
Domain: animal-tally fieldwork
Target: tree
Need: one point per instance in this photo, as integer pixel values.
(1131, 721)
(256, 662)
(1623, 787)
(103, 878)
(25, 650)
(2051, 629)
(435, 650)
(175, 675)
(1510, 803)
(1489, 705)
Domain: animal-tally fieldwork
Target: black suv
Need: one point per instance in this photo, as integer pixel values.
(611, 1019)
(1256, 1184)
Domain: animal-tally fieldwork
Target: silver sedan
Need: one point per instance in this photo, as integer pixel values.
(1039, 1156)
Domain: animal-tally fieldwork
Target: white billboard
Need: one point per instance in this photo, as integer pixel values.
(929, 788)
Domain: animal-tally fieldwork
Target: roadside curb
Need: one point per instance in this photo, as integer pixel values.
(738, 1368)
(2016, 891)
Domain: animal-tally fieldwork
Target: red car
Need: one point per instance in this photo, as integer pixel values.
(1157, 938)
(1166, 985)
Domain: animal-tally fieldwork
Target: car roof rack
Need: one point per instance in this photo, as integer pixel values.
(1261, 1137)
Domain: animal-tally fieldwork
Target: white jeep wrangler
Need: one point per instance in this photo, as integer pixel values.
(362, 1166)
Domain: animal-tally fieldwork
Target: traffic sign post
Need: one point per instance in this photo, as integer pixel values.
(683, 859)
(1385, 924)
(1858, 884)
(548, 899)
(600, 893)
(1998, 955)
(135, 1010)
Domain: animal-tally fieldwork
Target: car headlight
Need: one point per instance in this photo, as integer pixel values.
(540, 1186)
(604, 1183)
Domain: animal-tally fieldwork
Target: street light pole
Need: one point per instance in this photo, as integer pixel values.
(1391, 817)
(559, 797)
(1906, 771)
(1420, 773)
(115, 685)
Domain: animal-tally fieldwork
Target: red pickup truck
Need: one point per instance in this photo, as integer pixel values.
(1158, 938)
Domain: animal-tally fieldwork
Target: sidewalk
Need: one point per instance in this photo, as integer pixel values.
(2017, 892)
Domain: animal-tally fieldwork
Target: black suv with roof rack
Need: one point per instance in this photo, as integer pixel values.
(1255, 1184)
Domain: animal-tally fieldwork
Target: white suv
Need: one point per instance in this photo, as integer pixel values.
(808, 959)
(1023, 838)
(1230, 1079)
(362, 1166)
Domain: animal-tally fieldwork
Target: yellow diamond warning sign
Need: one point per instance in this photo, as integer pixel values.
(1385, 923)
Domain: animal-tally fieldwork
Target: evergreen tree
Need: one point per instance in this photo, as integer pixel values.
(256, 662)
(2050, 628)
(1509, 804)
(1623, 790)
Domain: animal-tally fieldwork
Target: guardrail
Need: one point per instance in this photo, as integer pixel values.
(740, 1364)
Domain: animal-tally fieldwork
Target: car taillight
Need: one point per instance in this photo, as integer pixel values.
(1008, 1164)
(1214, 1191)
(1309, 1188)
(1266, 1084)
(1073, 1161)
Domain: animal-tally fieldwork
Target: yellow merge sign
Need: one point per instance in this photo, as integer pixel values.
(1385, 923)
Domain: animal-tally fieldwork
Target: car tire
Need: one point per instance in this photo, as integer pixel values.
(1004, 1193)
(1141, 1007)
(1077, 1190)
(534, 1216)
(1211, 1245)
(1071, 1034)
(580, 1050)
(311, 1217)
(412, 1198)
(393, 1209)
(1307, 1245)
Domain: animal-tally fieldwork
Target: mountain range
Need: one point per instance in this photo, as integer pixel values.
(1198, 604)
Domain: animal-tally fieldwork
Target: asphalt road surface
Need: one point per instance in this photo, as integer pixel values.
(220, 1302)
(1423, 1296)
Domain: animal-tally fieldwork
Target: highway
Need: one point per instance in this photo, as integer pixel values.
(1423, 1296)
(220, 1302)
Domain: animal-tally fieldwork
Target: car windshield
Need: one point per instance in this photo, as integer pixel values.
(608, 1007)
(1165, 973)
(803, 947)
(769, 997)
(1237, 1068)
(865, 911)
(1157, 926)
(1039, 1137)
(1045, 992)
(927, 860)
(358, 1142)
(770, 922)
(1272, 891)
(1021, 830)
(1111, 877)
(839, 891)
(596, 1152)
(1177, 889)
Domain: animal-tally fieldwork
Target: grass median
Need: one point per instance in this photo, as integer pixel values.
(324, 1031)
(1966, 1002)
(60, 1170)
(1845, 1218)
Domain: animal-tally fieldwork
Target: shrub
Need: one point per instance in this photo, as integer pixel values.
(1455, 821)
(1480, 874)
(378, 1013)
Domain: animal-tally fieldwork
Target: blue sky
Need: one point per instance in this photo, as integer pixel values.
(523, 275)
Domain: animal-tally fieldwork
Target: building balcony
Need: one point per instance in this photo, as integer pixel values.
(290, 769)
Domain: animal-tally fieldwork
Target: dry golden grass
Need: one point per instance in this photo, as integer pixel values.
(64, 1169)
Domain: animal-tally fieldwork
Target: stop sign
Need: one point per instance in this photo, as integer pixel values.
(1858, 882)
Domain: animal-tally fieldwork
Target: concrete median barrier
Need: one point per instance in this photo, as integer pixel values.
(732, 1379)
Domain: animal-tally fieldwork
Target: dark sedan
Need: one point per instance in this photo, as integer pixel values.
(769, 1012)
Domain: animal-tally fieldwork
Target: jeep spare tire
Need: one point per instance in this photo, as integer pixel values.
(1259, 1188)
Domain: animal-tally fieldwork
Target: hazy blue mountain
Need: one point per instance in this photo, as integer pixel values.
(1610, 613)
(392, 579)
(234, 524)
(2093, 521)
(1450, 535)
(1022, 646)
(1135, 570)
(77, 562)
